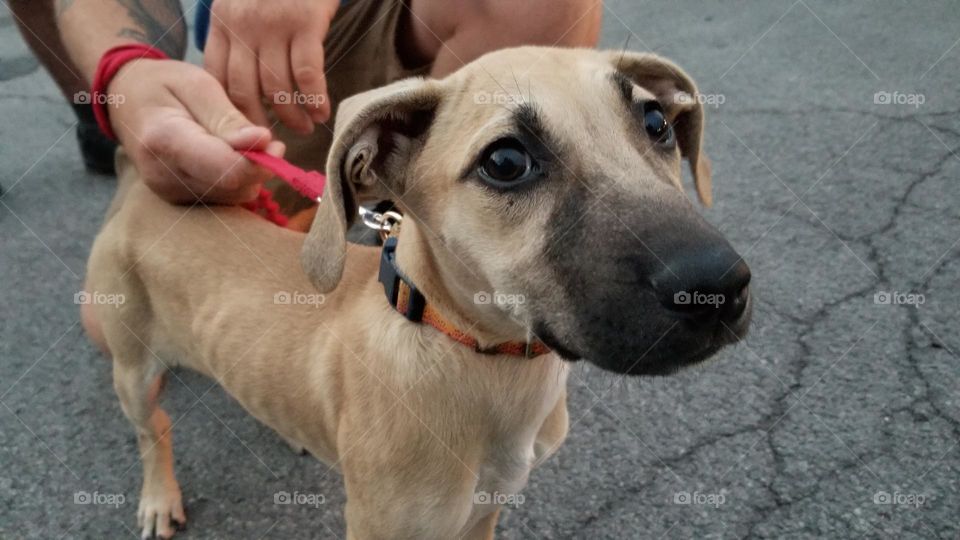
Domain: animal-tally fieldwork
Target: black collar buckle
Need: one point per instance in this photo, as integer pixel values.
(391, 277)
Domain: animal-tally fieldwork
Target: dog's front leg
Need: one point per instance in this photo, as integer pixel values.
(552, 432)
(383, 510)
(484, 528)
(404, 483)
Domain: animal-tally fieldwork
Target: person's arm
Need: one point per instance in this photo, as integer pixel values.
(173, 118)
(90, 27)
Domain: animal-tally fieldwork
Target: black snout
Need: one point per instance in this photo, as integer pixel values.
(650, 287)
(703, 283)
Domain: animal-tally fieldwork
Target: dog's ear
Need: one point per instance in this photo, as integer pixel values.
(678, 95)
(376, 137)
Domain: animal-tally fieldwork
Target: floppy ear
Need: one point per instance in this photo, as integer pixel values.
(376, 137)
(678, 95)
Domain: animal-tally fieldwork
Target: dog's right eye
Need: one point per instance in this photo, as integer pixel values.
(656, 125)
(506, 163)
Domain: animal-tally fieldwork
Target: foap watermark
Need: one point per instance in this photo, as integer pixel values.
(707, 100)
(899, 98)
(115, 500)
(698, 498)
(297, 298)
(99, 298)
(98, 98)
(298, 98)
(502, 499)
(496, 98)
(897, 298)
(697, 298)
(300, 499)
(898, 498)
(498, 298)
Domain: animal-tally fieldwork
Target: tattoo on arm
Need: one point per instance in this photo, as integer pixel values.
(158, 23)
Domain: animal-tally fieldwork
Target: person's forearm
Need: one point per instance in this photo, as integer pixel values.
(90, 27)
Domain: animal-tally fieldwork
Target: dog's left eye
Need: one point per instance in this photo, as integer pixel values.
(505, 163)
(656, 124)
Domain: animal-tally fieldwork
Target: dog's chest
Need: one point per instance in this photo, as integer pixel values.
(511, 456)
(504, 473)
(501, 478)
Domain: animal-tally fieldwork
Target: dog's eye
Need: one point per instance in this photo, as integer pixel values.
(506, 162)
(656, 125)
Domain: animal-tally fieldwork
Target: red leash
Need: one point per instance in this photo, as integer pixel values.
(310, 184)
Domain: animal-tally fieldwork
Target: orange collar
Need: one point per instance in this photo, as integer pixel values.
(410, 303)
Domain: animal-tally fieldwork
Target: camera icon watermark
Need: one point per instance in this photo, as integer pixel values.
(707, 100)
(102, 499)
(298, 98)
(498, 298)
(697, 298)
(300, 499)
(99, 298)
(297, 298)
(715, 500)
(98, 98)
(496, 98)
(897, 298)
(501, 499)
(899, 98)
(895, 497)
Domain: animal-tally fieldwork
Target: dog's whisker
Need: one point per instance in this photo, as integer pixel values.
(517, 83)
(623, 51)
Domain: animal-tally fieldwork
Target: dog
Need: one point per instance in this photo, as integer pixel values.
(542, 209)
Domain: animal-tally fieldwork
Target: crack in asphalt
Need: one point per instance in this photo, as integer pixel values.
(776, 418)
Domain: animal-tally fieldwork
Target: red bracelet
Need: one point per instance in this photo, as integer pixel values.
(110, 64)
(309, 183)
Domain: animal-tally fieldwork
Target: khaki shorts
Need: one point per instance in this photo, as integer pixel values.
(360, 54)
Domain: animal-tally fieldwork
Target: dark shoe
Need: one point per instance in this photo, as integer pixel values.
(95, 148)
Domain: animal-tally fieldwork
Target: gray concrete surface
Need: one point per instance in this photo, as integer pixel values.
(833, 403)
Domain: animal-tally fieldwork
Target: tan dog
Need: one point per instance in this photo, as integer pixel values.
(544, 175)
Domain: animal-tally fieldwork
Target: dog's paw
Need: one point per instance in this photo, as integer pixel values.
(160, 514)
(297, 448)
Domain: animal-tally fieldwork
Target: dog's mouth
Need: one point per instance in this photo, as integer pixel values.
(677, 348)
(660, 362)
(550, 339)
(669, 364)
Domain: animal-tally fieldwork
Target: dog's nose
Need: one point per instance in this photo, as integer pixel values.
(703, 284)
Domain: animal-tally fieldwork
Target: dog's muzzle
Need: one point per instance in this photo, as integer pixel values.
(665, 291)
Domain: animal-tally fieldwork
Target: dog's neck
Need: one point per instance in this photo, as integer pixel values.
(450, 286)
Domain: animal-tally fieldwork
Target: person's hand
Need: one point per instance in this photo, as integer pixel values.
(180, 129)
(273, 52)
